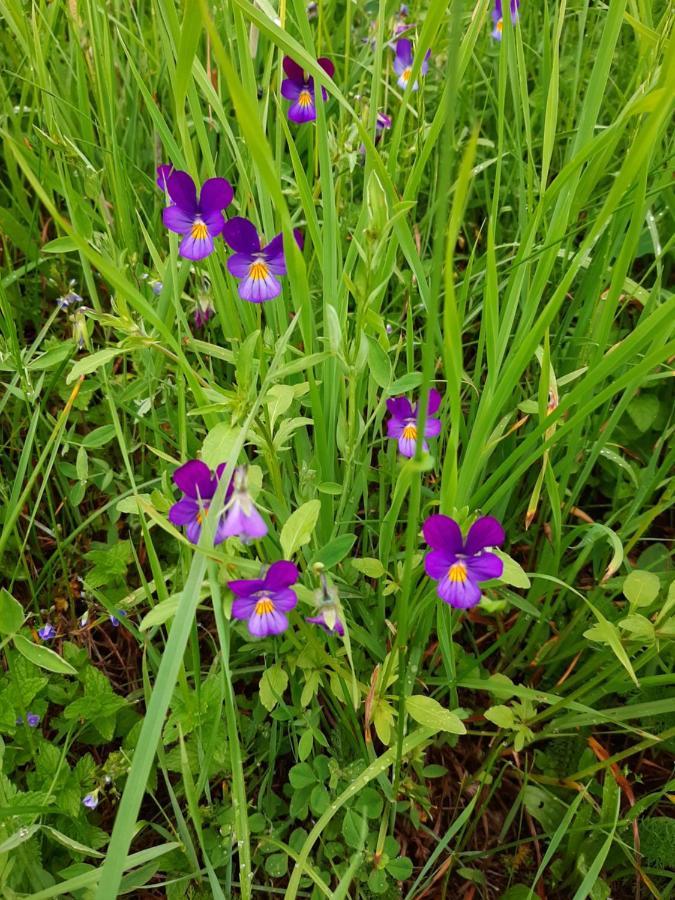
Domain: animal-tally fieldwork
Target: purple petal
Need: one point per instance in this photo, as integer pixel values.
(193, 531)
(437, 563)
(321, 622)
(434, 401)
(424, 68)
(460, 594)
(291, 89)
(274, 622)
(176, 219)
(214, 222)
(259, 289)
(254, 526)
(285, 599)
(432, 428)
(327, 65)
(407, 446)
(196, 247)
(184, 512)
(275, 246)
(194, 479)
(216, 194)
(245, 586)
(485, 532)
(484, 566)
(183, 192)
(400, 407)
(293, 70)
(443, 533)
(163, 173)
(302, 113)
(276, 264)
(281, 575)
(395, 427)
(242, 607)
(239, 263)
(220, 534)
(241, 235)
(404, 54)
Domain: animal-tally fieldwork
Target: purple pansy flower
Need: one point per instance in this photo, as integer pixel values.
(256, 266)
(498, 17)
(459, 564)
(198, 484)
(403, 63)
(90, 800)
(403, 422)
(47, 632)
(264, 602)
(198, 221)
(299, 88)
(164, 172)
(203, 312)
(242, 519)
(320, 620)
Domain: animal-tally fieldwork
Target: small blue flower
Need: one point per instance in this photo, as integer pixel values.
(90, 800)
(32, 720)
(115, 620)
(47, 632)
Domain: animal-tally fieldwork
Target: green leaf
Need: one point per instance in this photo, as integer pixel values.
(60, 245)
(607, 633)
(500, 715)
(301, 776)
(513, 573)
(218, 444)
(42, 656)
(11, 613)
(354, 829)
(89, 364)
(305, 745)
(644, 410)
(369, 566)
(638, 625)
(429, 712)
(335, 551)
(299, 526)
(161, 613)
(276, 865)
(641, 588)
(401, 868)
(273, 683)
(380, 366)
(278, 399)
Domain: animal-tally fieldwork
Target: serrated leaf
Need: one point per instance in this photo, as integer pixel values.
(430, 713)
(299, 527)
(641, 588)
(11, 613)
(42, 656)
(273, 683)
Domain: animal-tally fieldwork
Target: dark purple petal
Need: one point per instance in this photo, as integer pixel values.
(443, 533)
(327, 65)
(404, 55)
(291, 89)
(281, 574)
(424, 68)
(215, 222)
(285, 599)
(183, 512)
(242, 607)
(194, 479)
(485, 532)
(395, 427)
(176, 219)
(320, 620)
(259, 286)
(193, 531)
(302, 112)
(267, 624)
(293, 70)
(220, 534)
(216, 194)
(275, 246)
(383, 121)
(432, 428)
(247, 586)
(239, 263)
(163, 173)
(437, 563)
(183, 192)
(241, 235)
(484, 566)
(196, 247)
(299, 237)
(400, 407)
(434, 401)
(460, 594)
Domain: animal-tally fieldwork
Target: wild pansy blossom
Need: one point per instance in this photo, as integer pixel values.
(164, 172)
(90, 800)
(203, 312)
(299, 88)
(242, 519)
(199, 221)
(403, 63)
(264, 602)
(329, 610)
(459, 564)
(47, 632)
(403, 423)
(498, 17)
(198, 484)
(255, 266)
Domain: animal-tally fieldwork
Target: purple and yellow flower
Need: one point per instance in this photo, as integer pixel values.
(264, 602)
(199, 221)
(498, 17)
(90, 800)
(334, 626)
(459, 564)
(299, 88)
(47, 632)
(164, 172)
(403, 423)
(329, 612)
(255, 266)
(198, 484)
(242, 519)
(403, 63)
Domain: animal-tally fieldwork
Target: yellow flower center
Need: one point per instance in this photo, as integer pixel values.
(199, 230)
(200, 515)
(405, 74)
(264, 606)
(258, 270)
(457, 572)
(410, 432)
(305, 99)
(500, 25)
